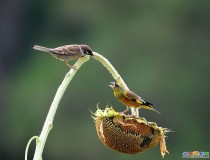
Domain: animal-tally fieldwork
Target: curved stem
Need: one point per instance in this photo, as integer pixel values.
(41, 140)
(115, 75)
(28, 144)
(49, 120)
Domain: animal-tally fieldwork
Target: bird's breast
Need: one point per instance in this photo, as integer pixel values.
(63, 57)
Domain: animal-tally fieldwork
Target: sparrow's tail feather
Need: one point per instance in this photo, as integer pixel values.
(41, 48)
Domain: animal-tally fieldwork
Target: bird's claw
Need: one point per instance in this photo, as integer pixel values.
(73, 67)
(123, 112)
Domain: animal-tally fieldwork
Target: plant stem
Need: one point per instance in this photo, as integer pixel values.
(49, 120)
(29, 142)
(115, 75)
(41, 140)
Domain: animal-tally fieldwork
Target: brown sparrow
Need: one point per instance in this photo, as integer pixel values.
(67, 52)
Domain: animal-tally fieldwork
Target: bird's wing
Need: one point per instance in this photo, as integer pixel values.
(133, 97)
(67, 50)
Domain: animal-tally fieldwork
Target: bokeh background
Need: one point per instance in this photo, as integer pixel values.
(161, 49)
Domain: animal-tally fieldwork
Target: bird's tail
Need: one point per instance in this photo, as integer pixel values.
(40, 48)
(149, 106)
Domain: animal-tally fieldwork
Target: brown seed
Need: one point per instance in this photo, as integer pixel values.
(128, 134)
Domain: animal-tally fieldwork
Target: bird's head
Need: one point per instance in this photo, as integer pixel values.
(86, 50)
(116, 87)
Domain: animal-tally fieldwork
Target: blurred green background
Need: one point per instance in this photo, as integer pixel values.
(160, 48)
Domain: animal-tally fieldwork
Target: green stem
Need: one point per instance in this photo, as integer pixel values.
(28, 144)
(41, 140)
(49, 120)
(115, 75)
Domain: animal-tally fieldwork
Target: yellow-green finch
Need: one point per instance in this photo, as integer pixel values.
(129, 98)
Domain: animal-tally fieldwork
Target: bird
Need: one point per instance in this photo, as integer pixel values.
(67, 53)
(129, 98)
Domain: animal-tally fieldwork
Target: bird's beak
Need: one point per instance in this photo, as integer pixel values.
(90, 53)
(112, 84)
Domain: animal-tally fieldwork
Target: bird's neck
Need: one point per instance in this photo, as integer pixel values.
(117, 93)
